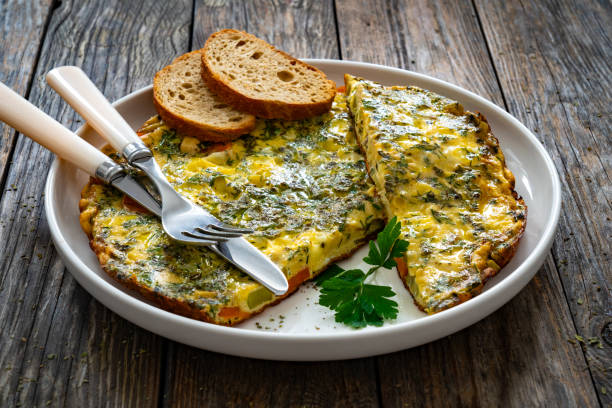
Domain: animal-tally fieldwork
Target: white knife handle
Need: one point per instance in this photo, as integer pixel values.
(38, 126)
(78, 90)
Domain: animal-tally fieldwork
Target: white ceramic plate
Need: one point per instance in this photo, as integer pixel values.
(307, 330)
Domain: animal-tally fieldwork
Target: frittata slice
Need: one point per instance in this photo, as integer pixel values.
(302, 186)
(440, 170)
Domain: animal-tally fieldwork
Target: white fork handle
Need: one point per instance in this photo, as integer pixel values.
(38, 126)
(85, 98)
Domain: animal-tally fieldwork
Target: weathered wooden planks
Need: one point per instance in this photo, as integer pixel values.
(438, 38)
(22, 27)
(513, 358)
(304, 28)
(561, 52)
(202, 378)
(520, 355)
(58, 345)
(197, 377)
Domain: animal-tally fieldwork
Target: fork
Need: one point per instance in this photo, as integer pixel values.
(181, 219)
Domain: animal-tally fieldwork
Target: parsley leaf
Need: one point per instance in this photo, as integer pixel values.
(339, 290)
(375, 299)
(387, 246)
(329, 273)
(441, 218)
(356, 303)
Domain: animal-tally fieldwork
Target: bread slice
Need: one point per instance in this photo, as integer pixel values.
(255, 77)
(186, 104)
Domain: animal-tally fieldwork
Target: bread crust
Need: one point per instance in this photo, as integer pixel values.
(189, 127)
(263, 108)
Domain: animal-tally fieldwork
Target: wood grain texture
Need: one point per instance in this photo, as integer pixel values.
(59, 346)
(198, 378)
(520, 355)
(513, 358)
(303, 28)
(425, 36)
(22, 27)
(561, 52)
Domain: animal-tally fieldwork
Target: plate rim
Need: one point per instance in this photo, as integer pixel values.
(493, 296)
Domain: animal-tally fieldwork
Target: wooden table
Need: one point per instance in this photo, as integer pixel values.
(547, 62)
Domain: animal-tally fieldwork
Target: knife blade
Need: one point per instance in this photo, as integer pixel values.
(133, 189)
(251, 261)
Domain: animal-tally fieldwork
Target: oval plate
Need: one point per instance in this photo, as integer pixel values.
(298, 328)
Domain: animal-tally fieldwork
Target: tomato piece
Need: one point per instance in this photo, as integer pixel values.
(132, 205)
(298, 278)
(401, 267)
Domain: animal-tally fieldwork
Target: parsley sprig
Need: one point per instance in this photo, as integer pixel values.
(357, 303)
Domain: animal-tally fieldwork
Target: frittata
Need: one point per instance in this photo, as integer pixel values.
(301, 185)
(440, 170)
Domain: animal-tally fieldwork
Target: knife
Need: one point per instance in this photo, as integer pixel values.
(117, 176)
(38, 126)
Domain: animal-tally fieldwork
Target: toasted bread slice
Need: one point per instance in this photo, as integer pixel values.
(255, 77)
(186, 104)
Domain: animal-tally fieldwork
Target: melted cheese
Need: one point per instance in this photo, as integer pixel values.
(302, 186)
(441, 172)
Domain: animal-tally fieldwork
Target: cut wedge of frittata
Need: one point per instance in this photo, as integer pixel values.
(440, 170)
(301, 185)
